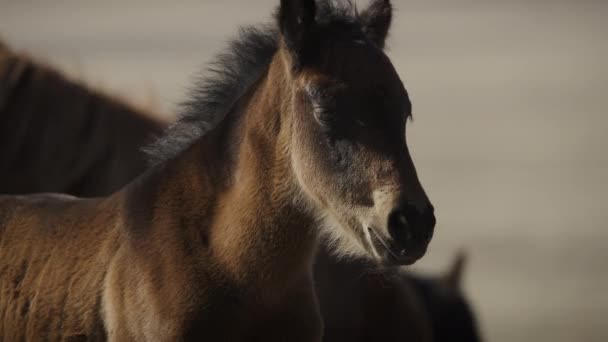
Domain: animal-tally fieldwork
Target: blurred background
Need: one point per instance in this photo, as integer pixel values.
(509, 137)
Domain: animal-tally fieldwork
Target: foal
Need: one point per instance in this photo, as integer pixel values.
(216, 241)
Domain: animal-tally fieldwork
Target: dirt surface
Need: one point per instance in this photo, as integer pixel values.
(509, 136)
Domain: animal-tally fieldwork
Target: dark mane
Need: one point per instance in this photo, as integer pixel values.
(229, 77)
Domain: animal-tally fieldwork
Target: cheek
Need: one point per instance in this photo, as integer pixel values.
(354, 172)
(333, 172)
(307, 167)
(346, 177)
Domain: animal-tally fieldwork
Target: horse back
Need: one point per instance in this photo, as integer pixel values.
(54, 253)
(58, 135)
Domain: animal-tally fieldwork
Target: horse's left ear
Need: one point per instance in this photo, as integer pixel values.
(296, 22)
(376, 20)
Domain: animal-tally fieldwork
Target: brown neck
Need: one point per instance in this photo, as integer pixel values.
(234, 192)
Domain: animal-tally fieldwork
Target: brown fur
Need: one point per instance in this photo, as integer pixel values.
(51, 277)
(209, 244)
(150, 274)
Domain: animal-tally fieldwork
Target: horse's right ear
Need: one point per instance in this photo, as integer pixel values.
(296, 22)
(376, 21)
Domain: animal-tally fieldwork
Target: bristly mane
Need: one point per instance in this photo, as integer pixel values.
(231, 74)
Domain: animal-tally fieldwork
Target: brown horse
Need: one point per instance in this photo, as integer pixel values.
(87, 137)
(217, 239)
(358, 301)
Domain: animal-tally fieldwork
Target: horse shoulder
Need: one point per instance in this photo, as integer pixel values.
(54, 251)
(147, 295)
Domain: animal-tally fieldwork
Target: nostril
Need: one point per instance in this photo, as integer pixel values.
(408, 225)
(402, 219)
(398, 226)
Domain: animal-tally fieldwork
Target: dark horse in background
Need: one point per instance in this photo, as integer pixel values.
(60, 136)
(377, 304)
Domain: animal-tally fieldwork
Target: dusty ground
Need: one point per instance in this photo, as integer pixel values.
(511, 113)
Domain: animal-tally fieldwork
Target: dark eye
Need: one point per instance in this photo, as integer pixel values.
(323, 105)
(323, 117)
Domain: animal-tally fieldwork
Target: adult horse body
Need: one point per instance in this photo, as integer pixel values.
(59, 135)
(217, 239)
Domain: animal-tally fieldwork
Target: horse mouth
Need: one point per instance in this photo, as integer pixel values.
(391, 253)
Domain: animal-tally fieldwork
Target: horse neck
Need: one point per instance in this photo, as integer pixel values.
(238, 183)
(264, 228)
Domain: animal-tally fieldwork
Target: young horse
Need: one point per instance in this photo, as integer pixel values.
(58, 135)
(358, 301)
(216, 241)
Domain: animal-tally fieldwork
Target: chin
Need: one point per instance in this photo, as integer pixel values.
(390, 252)
(345, 242)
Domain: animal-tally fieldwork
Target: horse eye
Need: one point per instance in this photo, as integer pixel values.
(322, 116)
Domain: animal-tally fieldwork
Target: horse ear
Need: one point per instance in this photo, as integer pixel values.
(453, 278)
(296, 22)
(376, 20)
